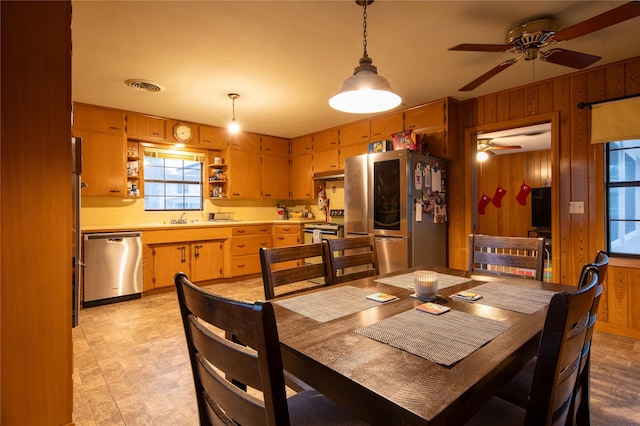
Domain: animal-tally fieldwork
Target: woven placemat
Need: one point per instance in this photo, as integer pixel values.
(406, 280)
(444, 339)
(330, 304)
(513, 297)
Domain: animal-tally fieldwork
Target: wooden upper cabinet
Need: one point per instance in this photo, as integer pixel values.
(275, 177)
(275, 146)
(97, 119)
(351, 151)
(245, 141)
(437, 124)
(302, 145)
(146, 127)
(327, 140)
(302, 185)
(357, 133)
(244, 174)
(103, 163)
(211, 137)
(383, 127)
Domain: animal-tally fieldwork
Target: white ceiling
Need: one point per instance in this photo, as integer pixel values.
(529, 138)
(286, 58)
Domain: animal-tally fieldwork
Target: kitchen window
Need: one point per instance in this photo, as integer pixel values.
(623, 197)
(172, 180)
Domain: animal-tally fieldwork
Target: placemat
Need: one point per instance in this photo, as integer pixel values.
(444, 339)
(513, 297)
(330, 304)
(406, 280)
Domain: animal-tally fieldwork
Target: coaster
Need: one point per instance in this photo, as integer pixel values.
(427, 299)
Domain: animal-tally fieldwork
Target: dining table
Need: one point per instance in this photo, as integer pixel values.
(391, 363)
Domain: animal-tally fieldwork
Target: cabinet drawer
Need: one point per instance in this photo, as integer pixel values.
(241, 231)
(286, 229)
(245, 265)
(282, 240)
(249, 245)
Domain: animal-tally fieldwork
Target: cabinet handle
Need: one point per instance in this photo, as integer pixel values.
(241, 231)
(263, 244)
(267, 195)
(281, 238)
(197, 253)
(334, 143)
(240, 245)
(182, 253)
(114, 190)
(114, 128)
(364, 137)
(263, 230)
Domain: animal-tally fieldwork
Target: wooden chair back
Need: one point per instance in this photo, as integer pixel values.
(514, 256)
(257, 365)
(352, 258)
(558, 361)
(581, 403)
(309, 262)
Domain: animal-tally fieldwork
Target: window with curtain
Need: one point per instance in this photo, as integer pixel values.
(172, 180)
(623, 197)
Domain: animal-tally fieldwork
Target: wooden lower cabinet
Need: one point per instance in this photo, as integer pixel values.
(207, 260)
(166, 261)
(246, 242)
(287, 235)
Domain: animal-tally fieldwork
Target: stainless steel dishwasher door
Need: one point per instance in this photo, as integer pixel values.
(113, 270)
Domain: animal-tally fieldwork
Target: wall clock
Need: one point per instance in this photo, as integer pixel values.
(183, 132)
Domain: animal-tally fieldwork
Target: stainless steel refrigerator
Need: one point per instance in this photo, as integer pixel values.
(399, 197)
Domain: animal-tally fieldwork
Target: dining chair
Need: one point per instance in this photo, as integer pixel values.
(517, 389)
(513, 256)
(353, 257)
(243, 383)
(310, 265)
(557, 366)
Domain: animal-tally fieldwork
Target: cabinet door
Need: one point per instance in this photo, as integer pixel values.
(383, 127)
(357, 133)
(213, 138)
(145, 127)
(103, 164)
(302, 177)
(245, 141)
(167, 260)
(327, 140)
(302, 145)
(275, 177)
(426, 116)
(97, 119)
(352, 150)
(244, 173)
(326, 161)
(272, 145)
(207, 260)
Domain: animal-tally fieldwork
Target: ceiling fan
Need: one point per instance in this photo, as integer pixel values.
(485, 145)
(528, 38)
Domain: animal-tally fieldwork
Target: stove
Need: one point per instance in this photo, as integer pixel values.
(327, 230)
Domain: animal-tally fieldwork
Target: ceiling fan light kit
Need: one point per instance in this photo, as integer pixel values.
(528, 38)
(365, 91)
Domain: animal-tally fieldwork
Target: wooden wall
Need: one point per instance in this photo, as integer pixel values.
(35, 338)
(578, 175)
(510, 172)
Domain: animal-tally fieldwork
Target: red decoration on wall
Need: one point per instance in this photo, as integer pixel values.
(522, 195)
(497, 197)
(484, 200)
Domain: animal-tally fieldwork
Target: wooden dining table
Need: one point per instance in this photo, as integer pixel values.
(386, 385)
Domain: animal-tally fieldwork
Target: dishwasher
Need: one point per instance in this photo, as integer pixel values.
(113, 267)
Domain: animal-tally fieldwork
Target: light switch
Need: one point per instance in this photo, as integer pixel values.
(576, 207)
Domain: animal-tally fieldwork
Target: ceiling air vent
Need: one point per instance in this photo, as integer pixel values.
(143, 85)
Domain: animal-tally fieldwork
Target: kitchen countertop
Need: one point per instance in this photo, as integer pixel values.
(199, 224)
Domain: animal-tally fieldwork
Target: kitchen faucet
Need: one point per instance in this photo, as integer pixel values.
(180, 220)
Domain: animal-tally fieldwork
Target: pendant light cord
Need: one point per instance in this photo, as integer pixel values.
(364, 27)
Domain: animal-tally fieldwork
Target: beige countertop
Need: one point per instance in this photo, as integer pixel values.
(198, 224)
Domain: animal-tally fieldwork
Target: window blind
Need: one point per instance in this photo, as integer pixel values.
(615, 121)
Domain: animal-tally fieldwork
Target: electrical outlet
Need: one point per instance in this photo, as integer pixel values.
(576, 207)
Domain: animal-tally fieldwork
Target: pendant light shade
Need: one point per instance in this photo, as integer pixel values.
(365, 91)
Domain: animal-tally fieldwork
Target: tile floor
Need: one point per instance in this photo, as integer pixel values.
(131, 366)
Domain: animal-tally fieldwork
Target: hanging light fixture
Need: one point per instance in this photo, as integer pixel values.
(365, 91)
(233, 127)
(482, 156)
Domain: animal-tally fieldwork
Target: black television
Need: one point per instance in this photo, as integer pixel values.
(541, 208)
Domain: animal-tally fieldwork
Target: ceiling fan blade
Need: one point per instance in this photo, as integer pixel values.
(482, 47)
(495, 148)
(486, 76)
(569, 58)
(606, 19)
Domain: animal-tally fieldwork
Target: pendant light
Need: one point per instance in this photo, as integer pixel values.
(233, 127)
(365, 91)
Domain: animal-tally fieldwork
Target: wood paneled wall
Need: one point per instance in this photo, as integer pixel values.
(578, 176)
(36, 346)
(510, 172)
